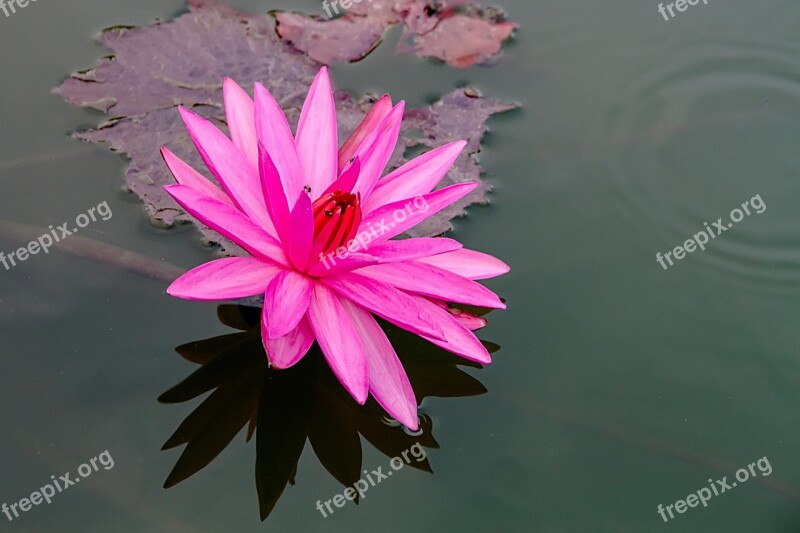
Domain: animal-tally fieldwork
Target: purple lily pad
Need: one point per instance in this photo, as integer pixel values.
(183, 62)
(459, 33)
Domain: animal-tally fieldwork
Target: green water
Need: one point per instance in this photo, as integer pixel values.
(619, 385)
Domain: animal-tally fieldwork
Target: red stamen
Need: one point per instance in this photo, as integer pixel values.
(336, 219)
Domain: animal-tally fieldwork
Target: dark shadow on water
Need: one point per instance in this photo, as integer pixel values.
(283, 409)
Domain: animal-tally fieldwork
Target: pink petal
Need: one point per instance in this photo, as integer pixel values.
(458, 339)
(240, 115)
(285, 352)
(410, 249)
(377, 113)
(286, 302)
(228, 222)
(317, 136)
(393, 219)
(468, 264)
(224, 279)
(186, 175)
(385, 301)
(363, 254)
(301, 228)
(434, 282)
(237, 176)
(334, 264)
(347, 180)
(377, 149)
(274, 197)
(418, 176)
(340, 342)
(388, 381)
(275, 135)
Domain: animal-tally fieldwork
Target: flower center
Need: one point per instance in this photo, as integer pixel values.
(337, 216)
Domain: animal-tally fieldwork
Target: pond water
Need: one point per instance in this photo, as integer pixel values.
(620, 384)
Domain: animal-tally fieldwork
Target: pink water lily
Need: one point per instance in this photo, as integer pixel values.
(318, 220)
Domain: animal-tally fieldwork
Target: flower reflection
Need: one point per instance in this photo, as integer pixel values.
(302, 403)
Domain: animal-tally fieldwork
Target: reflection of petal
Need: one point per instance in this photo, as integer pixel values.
(238, 317)
(203, 352)
(230, 363)
(334, 435)
(283, 414)
(303, 402)
(213, 425)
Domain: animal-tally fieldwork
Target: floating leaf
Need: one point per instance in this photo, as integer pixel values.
(461, 36)
(183, 62)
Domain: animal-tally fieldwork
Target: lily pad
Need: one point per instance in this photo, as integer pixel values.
(459, 33)
(183, 62)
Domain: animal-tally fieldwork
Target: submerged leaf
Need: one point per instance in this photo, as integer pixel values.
(183, 62)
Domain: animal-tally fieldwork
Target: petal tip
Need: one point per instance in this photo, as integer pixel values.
(413, 426)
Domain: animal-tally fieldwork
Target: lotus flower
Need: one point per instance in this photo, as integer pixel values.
(318, 221)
